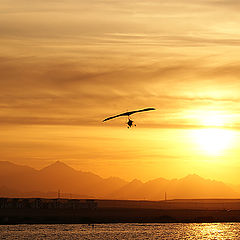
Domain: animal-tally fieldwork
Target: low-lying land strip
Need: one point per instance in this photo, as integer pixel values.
(37, 210)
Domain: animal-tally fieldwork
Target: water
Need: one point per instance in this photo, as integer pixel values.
(165, 231)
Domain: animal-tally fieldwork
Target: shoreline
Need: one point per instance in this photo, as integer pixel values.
(90, 211)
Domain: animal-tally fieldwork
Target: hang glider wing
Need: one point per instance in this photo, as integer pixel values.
(142, 110)
(119, 115)
(129, 113)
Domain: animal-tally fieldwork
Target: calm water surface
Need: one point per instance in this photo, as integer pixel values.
(123, 231)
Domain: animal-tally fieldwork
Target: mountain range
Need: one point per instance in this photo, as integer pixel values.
(24, 181)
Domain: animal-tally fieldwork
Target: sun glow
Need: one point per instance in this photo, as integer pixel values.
(208, 118)
(213, 120)
(213, 141)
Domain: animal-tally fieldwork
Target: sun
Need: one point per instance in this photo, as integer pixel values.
(213, 138)
(213, 141)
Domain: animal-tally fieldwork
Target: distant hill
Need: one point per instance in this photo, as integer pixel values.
(54, 177)
(192, 186)
(24, 181)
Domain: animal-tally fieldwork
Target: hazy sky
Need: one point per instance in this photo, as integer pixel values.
(65, 65)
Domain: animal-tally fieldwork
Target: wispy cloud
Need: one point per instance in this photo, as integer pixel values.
(60, 92)
(96, 57)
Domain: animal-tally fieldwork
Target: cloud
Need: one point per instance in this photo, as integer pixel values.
(62, 92)
(62, 58)
(231, 3)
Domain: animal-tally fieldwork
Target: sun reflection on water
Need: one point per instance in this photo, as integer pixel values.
(140, 231)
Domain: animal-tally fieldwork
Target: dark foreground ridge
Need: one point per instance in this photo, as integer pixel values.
(45, 211)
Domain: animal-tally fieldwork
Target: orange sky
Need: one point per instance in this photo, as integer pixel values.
(67, 64)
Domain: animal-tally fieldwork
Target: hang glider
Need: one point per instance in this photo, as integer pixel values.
(130, 122)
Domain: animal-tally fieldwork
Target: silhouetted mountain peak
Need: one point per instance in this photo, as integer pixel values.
(6, 163)
(157, 180)
(6, 167)
(58, 166)
(59, 175)
(10, 164)
(136, 181)
(192, 177)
